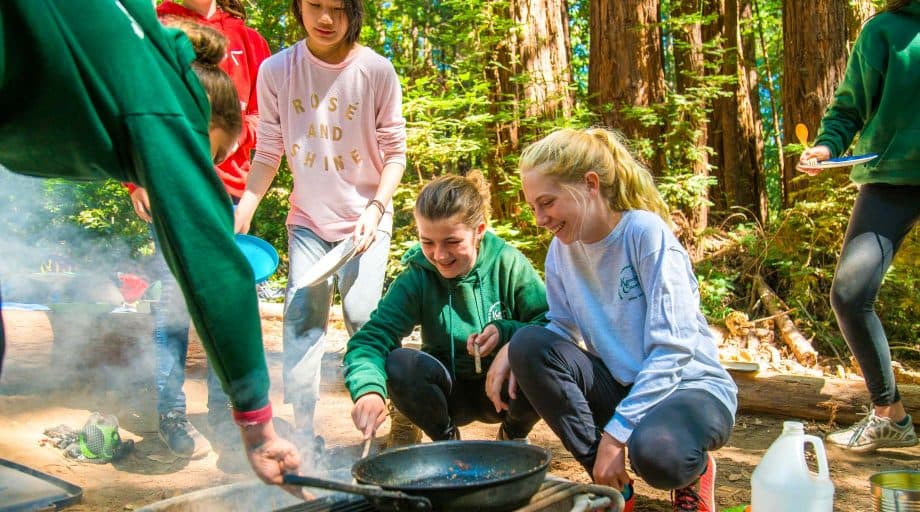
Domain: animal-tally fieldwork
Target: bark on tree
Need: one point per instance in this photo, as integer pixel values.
(538, 49)
(814, 398)
(814, 62)
(625, 65)
(732, 129)
(688, 61)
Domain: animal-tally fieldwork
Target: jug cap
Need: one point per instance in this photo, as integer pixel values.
(795, 427)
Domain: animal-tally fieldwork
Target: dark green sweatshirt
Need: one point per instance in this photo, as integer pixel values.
(878, 99)
(502, 289)
(92, 89)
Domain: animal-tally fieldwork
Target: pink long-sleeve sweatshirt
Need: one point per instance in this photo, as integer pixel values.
(338, 125)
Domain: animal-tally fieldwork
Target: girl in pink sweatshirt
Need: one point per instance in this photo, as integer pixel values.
(333, 108)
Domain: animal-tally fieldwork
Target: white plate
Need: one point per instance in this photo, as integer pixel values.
(741, 366)
(331, 262)
(843, 161)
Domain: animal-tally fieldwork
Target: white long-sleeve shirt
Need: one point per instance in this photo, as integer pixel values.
(338, 125)
(634, 300)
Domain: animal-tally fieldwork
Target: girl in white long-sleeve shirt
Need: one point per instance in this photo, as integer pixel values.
(618, 280)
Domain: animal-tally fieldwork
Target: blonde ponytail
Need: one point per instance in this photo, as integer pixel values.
(568, 154)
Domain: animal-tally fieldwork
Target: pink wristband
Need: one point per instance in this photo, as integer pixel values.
(250, 418)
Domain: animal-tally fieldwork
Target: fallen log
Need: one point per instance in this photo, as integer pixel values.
(801, 348)
(812, 398)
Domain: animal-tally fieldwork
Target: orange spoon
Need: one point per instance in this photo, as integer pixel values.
(801, 133)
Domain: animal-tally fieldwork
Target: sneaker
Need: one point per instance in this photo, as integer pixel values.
(402, 431)
(503, 436)
(629, 495)
(874, 432)
(181, 437)
(700, 495)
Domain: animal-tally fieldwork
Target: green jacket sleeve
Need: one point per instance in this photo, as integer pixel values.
(194, 224)
(852, 105)
(396, 315)
(528, 298)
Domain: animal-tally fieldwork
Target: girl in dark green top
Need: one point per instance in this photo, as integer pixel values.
(97, 89)
(878, 100)
(467, 289)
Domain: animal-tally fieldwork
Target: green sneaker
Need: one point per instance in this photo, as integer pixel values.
(874, 432)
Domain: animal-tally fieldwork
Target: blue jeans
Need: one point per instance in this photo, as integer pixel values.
(306, 312)
(170, 336)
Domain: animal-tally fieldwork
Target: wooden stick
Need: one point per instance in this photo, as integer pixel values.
(800, 346)
(477, 358)
(367, 447)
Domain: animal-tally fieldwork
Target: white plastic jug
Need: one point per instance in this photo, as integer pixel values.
(782, 481)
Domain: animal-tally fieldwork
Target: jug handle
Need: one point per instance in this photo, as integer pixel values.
(819, 452)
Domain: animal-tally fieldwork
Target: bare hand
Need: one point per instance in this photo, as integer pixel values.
(242, 217)
(812, 156)
(369, 413)
(487, 341)
(499, 373)
(366, 228)
(610, 464)
(141, 202)
(271, 456)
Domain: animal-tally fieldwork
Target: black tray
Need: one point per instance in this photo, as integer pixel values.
(25, 489)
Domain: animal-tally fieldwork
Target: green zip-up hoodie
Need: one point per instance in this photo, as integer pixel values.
(502, 289)
(878, 99)
(91, 89)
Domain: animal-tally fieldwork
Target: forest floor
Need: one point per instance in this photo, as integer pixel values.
(36, 393)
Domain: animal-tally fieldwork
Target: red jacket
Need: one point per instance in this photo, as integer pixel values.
(246, 49)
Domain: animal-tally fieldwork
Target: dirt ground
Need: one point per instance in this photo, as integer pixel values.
(39, 390)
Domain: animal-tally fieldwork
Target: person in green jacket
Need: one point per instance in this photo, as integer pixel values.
(877, 99)
(99, 89)
(469, 291)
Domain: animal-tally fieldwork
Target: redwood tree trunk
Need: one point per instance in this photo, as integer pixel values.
(814, 62)
(625, 65)
(688, 62)
(539, 50)
(733, 131)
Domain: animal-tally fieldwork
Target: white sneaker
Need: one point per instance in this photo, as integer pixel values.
(874, 432)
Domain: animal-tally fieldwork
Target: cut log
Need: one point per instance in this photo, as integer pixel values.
(813, 398)
(801, 348)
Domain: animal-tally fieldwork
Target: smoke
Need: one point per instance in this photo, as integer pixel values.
(57, 258)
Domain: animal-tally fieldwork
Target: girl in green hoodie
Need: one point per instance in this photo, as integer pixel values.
(469, 291)
(876, 99)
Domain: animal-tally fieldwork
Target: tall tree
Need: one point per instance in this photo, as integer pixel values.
(625, 68)
(690, 73)
(531, 77)
(814, 62)
(733, 132)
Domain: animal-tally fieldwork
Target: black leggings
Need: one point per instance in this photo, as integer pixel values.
(422, 389)
(882, 216)
(576, 396)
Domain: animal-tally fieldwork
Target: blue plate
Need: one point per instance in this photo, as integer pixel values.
(261, 255)
(843, 161)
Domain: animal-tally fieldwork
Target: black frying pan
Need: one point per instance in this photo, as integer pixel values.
(448, 476)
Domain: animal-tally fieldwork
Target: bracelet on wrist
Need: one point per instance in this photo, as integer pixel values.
(380, 206)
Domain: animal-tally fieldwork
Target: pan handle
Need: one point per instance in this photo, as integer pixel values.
(383, 500)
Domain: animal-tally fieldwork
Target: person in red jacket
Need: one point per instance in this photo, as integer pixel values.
(246, 50)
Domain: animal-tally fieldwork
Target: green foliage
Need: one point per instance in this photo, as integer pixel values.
(798, 254)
